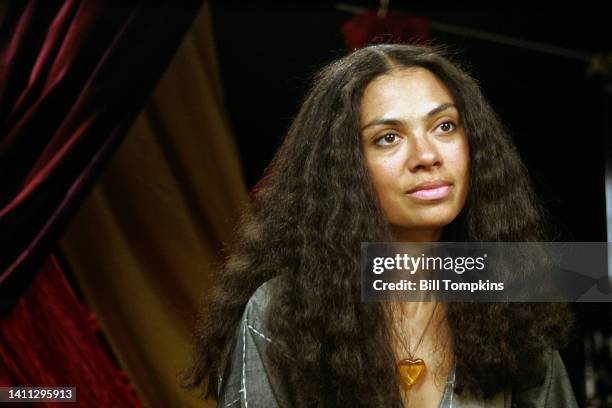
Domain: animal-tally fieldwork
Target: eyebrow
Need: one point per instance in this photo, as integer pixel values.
(393, 121)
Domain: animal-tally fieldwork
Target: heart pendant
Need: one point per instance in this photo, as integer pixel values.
(410, 370)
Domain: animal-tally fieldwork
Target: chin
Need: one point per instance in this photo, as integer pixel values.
(425, 224)
(437, 221)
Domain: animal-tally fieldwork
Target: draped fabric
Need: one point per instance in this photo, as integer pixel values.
(145, 242)
(73, 76)
(50, 340)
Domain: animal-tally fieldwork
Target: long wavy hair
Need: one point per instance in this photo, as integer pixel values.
(305, 225)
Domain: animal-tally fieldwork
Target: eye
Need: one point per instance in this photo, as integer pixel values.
(388, 139)
(447, 126)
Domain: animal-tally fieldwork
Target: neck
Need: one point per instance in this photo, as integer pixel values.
(411, 235)
(415, 311)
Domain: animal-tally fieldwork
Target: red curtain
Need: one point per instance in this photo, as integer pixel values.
(50, 340)
(73, 76)
(369, 28)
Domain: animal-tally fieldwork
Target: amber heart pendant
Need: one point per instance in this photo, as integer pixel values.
(410, 370)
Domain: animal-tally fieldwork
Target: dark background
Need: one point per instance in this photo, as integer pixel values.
(557, 114)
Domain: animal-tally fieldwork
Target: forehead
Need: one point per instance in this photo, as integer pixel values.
(408, 92)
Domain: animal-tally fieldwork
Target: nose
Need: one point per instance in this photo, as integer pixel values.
(423, 154)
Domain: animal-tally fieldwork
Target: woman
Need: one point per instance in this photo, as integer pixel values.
(392, 143)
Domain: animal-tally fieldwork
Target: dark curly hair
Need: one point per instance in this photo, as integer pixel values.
(315, 206)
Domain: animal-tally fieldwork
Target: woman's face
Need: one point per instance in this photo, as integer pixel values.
(412, 134)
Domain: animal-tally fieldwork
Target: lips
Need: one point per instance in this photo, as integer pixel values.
(429, 185)
(430, 190)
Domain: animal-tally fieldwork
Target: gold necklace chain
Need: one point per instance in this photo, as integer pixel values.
(407, 349)
(411, 369)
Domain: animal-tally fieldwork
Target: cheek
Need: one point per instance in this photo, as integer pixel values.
(465, 162)
(458, 160)
(384, 172)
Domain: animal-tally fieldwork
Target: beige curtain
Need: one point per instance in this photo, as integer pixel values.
(143, 245)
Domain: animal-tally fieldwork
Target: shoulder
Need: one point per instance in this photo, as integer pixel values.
(553, 388)
(250, 375)
(260, 298)
(256, 309)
